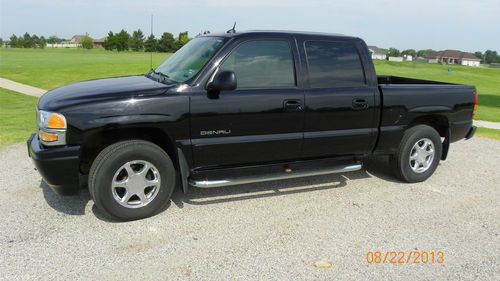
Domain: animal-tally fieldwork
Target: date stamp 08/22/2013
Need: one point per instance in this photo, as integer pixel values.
(405, 257)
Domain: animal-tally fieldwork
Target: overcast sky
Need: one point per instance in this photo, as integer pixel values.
(467, 25)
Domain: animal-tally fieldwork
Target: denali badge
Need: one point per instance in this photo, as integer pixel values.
(215, 132)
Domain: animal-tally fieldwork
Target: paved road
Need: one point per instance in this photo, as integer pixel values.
(278, 230)
(21, 88)
(487, 124)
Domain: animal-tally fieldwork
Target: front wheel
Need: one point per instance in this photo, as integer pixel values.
(132, 180)
(418, 154)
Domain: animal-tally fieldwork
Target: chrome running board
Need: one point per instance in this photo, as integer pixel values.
(286, 174)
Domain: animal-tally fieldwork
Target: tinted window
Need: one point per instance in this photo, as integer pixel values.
(333, 64)
(262, 64)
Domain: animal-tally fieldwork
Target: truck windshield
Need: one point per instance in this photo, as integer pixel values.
(190, 59)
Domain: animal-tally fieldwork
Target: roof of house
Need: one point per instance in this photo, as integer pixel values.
(454, 54)
(77, 39)
(377, 50)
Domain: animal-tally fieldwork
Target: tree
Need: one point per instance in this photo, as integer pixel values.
(14, 41)
(34, 41)
(151, 44)
(491, 57)
(425, 53)
(166, 43)
(409, 52)
(137, 41)
(54, 40)
(38, 42)
(479, 55)
(122, 41)
(182, 40)
(393, 52)
(1, 42)
(110, 41)
(87, 42)
(27, 41)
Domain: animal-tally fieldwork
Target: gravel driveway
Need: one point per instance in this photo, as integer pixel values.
(317, 228)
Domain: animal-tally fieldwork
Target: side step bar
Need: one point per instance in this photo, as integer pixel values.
(287, 174)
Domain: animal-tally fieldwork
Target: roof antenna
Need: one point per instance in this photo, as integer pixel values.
(232, 30)
(151, 51)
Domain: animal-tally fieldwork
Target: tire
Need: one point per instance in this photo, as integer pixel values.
(132, 180)
(420, 167)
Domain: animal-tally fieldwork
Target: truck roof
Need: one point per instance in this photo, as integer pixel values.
(252, 33)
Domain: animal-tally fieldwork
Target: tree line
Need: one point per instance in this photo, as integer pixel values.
(26, 41)
(123, 41)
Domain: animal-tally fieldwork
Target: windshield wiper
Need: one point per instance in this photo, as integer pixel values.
(163, 77)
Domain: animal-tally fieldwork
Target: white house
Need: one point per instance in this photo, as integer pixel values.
(377, 53)
(454, 57)
(74, 42)
(398, 59)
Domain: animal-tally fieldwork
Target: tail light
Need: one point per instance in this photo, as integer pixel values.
(476, 103)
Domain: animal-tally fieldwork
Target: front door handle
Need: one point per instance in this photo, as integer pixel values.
(292, 105)
(359, 103)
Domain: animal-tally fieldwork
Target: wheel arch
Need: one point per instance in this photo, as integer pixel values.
(438, 122)
(94, 143)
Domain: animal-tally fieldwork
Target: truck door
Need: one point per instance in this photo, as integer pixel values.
(260, 121)
(340, 117)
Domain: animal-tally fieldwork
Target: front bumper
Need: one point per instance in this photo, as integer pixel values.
(58, 166)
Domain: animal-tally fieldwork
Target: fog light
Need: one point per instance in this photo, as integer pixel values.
(48, 137)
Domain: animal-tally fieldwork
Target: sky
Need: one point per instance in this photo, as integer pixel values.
(467, 25)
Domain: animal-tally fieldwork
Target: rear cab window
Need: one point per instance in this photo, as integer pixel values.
(333, 64)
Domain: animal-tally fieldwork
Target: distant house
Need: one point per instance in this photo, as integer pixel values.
(77, 39)
(454, 57)
(74, 42)
(99, 43)
(397, 59)
(377, 53)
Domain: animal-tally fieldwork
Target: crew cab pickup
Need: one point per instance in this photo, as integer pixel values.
(242, 107)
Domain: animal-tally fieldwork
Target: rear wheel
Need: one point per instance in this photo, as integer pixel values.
(132, 180)
(418, 154)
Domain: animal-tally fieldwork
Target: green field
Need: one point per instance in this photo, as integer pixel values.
(17, 112)
(51, 68)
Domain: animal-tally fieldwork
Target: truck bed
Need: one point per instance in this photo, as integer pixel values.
(397, 80)
(406, 99)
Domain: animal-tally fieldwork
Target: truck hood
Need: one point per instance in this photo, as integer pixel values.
(100, 90)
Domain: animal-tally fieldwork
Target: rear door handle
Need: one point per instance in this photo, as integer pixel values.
(292, 105)
(359, 103)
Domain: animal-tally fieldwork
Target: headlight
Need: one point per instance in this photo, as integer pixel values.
(51, 128)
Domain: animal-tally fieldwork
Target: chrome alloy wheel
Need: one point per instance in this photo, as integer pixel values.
(135, 184)
(422, 155)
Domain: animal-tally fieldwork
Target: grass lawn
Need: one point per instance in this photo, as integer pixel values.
(486, 80)
(51, 68)
(488, 133)
(17, 112)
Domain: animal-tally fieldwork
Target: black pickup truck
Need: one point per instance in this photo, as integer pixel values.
(243, 107)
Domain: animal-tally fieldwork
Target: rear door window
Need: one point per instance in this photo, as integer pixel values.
(334, 64)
